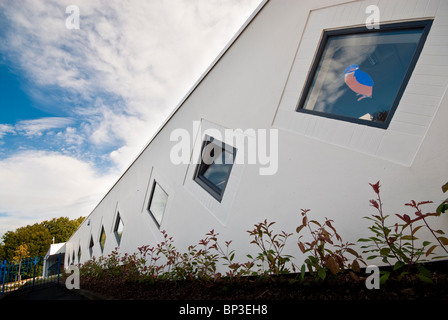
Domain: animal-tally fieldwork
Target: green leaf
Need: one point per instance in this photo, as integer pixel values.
(442, 207)
(425, 279)
(398, 265)
(322, 273)
(408, 238)
(372, 257)
(384, 251)
(423, 271)
(384, 277)
(302, 272)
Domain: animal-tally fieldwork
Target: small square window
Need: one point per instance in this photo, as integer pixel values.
(118, 228)
(359, 75)
(157, 203)
(102, 238)
(215, 166)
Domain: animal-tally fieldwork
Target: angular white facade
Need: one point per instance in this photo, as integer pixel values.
(323, 164)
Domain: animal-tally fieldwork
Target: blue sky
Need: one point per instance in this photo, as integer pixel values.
(77, 106)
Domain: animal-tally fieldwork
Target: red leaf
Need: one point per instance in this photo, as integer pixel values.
(430, 250)
(332, 265)
(376, 187)
(445, 187)
(443, 240)
(374, 204)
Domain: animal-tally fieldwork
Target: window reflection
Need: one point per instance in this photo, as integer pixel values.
(214, 170)
(158, 202)
(361, 75)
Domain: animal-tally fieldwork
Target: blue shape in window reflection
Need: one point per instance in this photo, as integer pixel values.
(359, 81)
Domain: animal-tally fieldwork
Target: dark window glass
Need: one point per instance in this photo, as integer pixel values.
(91, 246)
(213, 172)
(102, 238)
(118, 228)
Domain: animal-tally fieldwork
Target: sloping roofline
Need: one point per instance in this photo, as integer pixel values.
(193, 88)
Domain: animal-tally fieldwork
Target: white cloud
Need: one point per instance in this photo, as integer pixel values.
(36, 127)
(119, 76)
(39, 185)
(147, 53)
(5, 129)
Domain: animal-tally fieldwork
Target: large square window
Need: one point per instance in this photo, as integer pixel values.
(215, 166)
(157, 203)
(359, 75)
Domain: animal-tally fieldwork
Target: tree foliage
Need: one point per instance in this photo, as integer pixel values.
(38, 237)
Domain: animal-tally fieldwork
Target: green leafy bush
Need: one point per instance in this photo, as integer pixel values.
(398, 244)
(326, 251)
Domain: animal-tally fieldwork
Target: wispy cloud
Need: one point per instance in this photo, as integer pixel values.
(109, 84)
(36, 127)
(6, 129)
(129, 61)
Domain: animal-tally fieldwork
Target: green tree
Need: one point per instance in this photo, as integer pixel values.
(62, 228)
(38, 237)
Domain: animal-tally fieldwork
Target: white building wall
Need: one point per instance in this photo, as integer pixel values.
(324, 165)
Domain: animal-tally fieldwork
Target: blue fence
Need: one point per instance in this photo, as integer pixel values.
(30, 272)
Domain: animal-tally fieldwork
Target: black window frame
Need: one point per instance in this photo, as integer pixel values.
(116, 225)
(425, 25)
(102, 245)
(154, 184)
(91, 244)
(206, 184)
